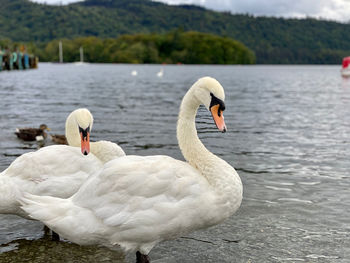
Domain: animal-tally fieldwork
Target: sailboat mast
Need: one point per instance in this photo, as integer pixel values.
(81, 54)
(60, 51)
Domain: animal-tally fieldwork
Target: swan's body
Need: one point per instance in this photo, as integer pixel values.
(136, 202)
(106, 150)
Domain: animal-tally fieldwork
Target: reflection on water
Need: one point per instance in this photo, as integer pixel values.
(345, 83)
(288, 137)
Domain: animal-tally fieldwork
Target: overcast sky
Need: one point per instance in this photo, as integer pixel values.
(327, 9)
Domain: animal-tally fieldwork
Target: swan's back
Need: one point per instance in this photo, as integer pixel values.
(145, 199)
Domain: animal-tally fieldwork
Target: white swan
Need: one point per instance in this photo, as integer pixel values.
(80, 137)
(57, 170)
(136, 201)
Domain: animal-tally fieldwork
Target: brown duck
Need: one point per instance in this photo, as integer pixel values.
(59, 138)
(32, 134)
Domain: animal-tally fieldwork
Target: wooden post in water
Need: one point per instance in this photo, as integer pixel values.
(1, 61)
(81, 54)
(60, 49)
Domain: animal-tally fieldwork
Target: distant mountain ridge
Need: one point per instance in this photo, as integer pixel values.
(274, 40)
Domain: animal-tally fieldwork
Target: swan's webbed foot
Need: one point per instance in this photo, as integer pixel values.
(141, 258)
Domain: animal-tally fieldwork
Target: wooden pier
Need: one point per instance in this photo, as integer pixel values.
(12, 60)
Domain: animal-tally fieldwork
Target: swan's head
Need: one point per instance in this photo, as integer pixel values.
(78, 127)
(211, 94)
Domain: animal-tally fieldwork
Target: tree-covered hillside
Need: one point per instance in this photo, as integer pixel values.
(173, 47)
(274, 40)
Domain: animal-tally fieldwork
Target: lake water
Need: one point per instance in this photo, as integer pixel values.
(288, 137)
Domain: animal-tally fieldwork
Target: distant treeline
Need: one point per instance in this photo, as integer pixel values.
(174, 47)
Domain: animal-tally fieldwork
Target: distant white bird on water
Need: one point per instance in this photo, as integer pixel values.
(160, 73)
(134, 73)
(139, 201)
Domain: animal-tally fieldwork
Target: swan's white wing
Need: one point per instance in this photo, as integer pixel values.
(57, 170)
(106, 150)
(147, 198)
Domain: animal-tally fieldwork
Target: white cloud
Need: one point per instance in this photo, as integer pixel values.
(326, 9)
(56, 2)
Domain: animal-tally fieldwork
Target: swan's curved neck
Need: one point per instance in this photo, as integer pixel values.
(72, 132)
(220, 175)
(191, 147)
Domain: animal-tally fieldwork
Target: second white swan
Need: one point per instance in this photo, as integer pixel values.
(57, 170)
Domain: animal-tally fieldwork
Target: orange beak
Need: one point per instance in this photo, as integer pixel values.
(218, 117)
(85, 143)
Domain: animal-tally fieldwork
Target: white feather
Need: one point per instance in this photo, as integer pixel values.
(39, 138)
